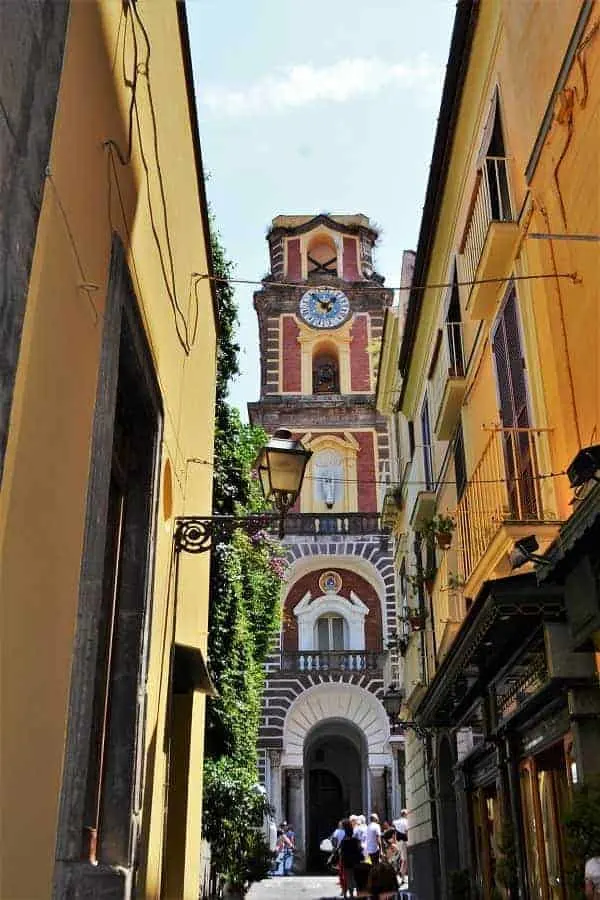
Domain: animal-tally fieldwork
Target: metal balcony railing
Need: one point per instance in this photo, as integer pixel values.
(420, 482)
(393, 670)
(331, 661)
(505, 488)
(333, 523)
(451, 363)
(491, 204)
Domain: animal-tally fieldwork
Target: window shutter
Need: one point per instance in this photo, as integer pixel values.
(510, 373)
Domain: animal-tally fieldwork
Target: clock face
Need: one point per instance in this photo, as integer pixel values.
(324, 307)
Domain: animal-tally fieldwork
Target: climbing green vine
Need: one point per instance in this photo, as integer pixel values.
(245, 585)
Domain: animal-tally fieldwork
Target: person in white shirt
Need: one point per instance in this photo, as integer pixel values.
(360, 831)
(374, 838)
(592, 877)
(401, 826)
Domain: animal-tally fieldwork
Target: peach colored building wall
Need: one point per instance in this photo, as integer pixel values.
(88, 195)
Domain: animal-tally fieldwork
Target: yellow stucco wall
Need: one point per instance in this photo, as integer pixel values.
(520, 46)
(43, 500)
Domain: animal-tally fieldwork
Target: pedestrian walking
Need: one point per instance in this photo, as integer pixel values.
(592, 877)
(288, 853)
(281, 848)
(374, 838)
(350, 857)
(401, 826)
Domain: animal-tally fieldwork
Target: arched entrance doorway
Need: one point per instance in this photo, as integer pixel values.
(335, 757)
(449, 853)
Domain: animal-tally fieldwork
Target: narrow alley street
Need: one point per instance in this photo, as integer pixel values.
(296, 887)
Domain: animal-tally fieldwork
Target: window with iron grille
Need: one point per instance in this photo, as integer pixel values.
(460, 464)
(427, 450)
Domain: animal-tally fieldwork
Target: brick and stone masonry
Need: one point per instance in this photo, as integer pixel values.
(323, 700)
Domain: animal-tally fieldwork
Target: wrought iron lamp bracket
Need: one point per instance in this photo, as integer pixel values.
(194, 534)
(422, 731)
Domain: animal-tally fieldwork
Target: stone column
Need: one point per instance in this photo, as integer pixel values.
(463, 817)
(295, 813)
(584, 713)
(274, 786)
(511, 768)
(377, 791)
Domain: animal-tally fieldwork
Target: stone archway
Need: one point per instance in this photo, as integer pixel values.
(335, 766)
(316, 720)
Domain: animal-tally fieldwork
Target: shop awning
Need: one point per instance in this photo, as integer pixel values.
(572, 533)
(502, 620)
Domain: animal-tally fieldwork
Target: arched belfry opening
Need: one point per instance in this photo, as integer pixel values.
(321, 256)
(335, 766)
(326, 369)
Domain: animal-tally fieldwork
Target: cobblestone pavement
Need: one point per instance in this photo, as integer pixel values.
(296, 887)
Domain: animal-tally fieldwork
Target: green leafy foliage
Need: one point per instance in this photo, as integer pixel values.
(233, 814)
(506, 866)
(245, 586)
(582, 832)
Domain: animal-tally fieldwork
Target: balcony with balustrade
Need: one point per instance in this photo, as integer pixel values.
(420, 489)
(490, 238)
(320, 525)
(448, 381)
(332, 662)
(448, 599)
(509, 495)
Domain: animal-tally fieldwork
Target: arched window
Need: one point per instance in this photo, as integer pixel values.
(329, 633)
(322, 256)
(326, 372)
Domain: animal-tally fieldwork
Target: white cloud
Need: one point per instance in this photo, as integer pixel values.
(302, 85)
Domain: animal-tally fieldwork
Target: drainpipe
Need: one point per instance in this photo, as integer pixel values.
(427, 742)
(511, 760)
(421, 596)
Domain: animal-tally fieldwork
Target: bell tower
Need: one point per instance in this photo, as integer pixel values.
(320, 311)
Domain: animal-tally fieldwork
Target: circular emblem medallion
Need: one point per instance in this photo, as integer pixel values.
(330, 583)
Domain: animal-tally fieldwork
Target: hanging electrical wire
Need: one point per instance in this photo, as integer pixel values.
(404, 483)
(141, 67)
(349, 289)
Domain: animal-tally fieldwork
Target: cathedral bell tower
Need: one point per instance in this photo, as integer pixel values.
(325, 747)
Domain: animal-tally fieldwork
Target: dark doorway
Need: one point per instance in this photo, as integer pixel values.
(326, 808)
(334, 767)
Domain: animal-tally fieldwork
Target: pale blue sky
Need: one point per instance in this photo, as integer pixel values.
(321, 105)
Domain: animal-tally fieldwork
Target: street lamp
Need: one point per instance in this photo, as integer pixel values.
(392, 703)
(281, 465)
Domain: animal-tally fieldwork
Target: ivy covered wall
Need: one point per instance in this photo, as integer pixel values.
(246, 576)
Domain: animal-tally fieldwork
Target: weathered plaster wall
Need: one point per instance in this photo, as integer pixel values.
(32, 36)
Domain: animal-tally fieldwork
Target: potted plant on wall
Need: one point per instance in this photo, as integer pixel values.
(425, 578)
(455, 582)
(443, 528)
(416, 618)
(429, 580)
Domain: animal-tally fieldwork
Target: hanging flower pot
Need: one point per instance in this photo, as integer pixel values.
(416, 619)
(444, 539)
(443, 528)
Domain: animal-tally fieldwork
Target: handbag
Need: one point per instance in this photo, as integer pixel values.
(333, 860)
